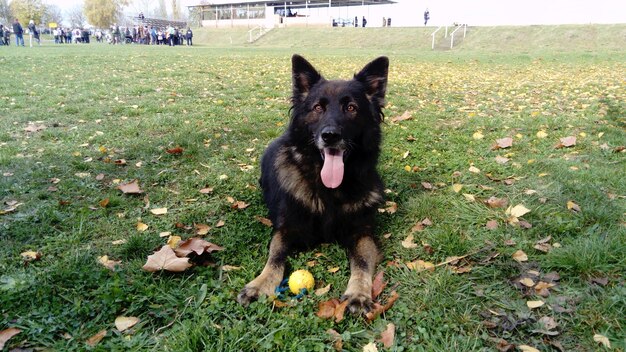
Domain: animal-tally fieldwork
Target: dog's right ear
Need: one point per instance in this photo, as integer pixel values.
(304, 76)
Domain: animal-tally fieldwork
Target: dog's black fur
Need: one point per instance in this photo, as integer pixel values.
(337, 122)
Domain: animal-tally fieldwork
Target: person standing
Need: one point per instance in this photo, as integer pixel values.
(426, 16)
(364, 22)
(19, 33)
(189, 36)
(33, 33)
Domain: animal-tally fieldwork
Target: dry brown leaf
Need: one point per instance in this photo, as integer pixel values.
(566, 142)
(573, 206)
(108, 263)
(206, 190)
(492, 224)
(405, 116)
(240, 205)
(603, 340)
(166, 259)
(336, 339)
(202, 229)
(370, 347)
(31, 255)
(518, 211)
(230, 267)
(175, 151)
(95, 339)
(502, 143)
(387, 337)
(265, 221)
(34, 128)
(123, 323)
(322, 290)
(526, 281)
(378, 284)
(535, 304)
(420, 265)
(408, 242)
(103, 203)
(526, 348)
(220, 223)
(6, 335)
(501, 160)
(548, 323)
(495, 203)
(380, 309)
(519, 256)
(130, 188)
(197, 245)
(159, 211)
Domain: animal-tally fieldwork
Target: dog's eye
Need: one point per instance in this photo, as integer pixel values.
(351, 108)
(318, 108)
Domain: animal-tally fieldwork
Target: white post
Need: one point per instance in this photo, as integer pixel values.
(464, 30)
(451, 40)
(433, 45)
(446, 36)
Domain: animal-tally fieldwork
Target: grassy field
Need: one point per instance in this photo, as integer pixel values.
(539, 225)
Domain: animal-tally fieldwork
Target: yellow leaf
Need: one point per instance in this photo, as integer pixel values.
(420, 265)
(230, 267)
(474, 169)
(108, 263)
(602, 339)
(141, 227)
(469, 197)
(333, 270)
(542, 134)
(518, 211)
(322, 291)
(535, 304)
(526, 348)
(457, 187)
(30, 255)
(478, 135)
(173, 241)
(408, 242)
(573, 206)
(370, 347)
(528, 282)
(124, 323)
(159, 211)
(519, 256)
(407, 168)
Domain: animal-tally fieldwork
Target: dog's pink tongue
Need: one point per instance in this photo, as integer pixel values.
(332, 171)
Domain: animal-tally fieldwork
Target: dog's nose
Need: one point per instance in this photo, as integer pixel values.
(331, 135)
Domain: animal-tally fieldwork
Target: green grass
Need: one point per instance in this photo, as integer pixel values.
(223, 105)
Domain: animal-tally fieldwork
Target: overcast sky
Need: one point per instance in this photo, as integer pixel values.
(472, 12)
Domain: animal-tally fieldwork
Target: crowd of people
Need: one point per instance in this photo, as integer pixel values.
(148, 35)
(137, 34)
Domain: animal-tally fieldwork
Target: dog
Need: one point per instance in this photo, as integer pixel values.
(319, 178)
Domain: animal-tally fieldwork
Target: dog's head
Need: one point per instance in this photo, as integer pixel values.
(340, 118)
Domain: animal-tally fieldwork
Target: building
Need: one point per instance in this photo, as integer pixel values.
(270, 14)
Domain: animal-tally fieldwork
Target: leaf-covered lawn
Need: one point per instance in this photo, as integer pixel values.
(503, 228)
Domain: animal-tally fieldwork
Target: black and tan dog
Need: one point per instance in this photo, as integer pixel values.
(319, 178)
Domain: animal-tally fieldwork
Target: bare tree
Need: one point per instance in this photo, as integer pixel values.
(53, 14)
(76, 17)
(162, 12)
(6, 15)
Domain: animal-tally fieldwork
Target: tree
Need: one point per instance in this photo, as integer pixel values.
(6, 16)
(26, 10)
(52, 14)
(162, 12)
(76, 17)
(103, 13)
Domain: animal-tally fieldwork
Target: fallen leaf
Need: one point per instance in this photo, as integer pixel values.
(130, 188)
(34, 128)
(206, 190)
(420, 265)
(387, 337)
(566, 142)
(240, 205)
(501, 160)
(528, 282)
(166, 259)
(103, 203)
(502, 143)
(474, 170)
(469, 197)
(378, 284)
(108, 263)
(95, 339)
(6, 335)
(30, 255)
(220, 223)
(478, 135)
(380, 309)
(495, 203)
(519, 256)
(322, 290)
(457, 187)
(518, 211)
(336, 339)
(141, 227)
(158, 211)
(526, 348)
(230, 267)
(408, 242)
(265, 221)
(492, 224)
(573, 206)
(542, 134)
(405, 116)
(173, 241)
(175, 151)
(535, 304)
(370, 347)
(603, 340)
(333, 269)
(197, 245)
(123, 323)
(548, 323)
(202, 229)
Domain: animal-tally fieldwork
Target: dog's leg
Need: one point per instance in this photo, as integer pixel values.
(363, 257)
(272, 273)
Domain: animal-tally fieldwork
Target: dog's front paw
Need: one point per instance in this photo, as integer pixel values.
(358, 303)
(248, 295)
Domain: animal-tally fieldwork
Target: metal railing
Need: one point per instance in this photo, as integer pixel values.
(464, 26)
(256, 33)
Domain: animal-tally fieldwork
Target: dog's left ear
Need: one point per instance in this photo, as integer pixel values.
(374, 76)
